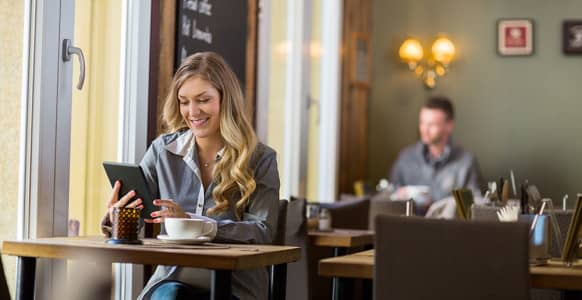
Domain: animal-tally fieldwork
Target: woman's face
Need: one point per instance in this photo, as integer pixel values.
(200, 107)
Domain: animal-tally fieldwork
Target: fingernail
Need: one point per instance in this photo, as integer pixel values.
(156, 201)
(153, 214)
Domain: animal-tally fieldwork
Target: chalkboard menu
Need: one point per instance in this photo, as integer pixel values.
(227, 27)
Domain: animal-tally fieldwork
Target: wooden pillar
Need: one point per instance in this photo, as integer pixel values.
(355, 90)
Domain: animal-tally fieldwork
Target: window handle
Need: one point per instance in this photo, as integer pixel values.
(68, 51)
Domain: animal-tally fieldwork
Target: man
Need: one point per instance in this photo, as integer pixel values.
(429, 170)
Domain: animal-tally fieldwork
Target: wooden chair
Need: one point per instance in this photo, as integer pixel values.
(296, 235)
(281, 223)
(381, 204)
(304, 283)
(419, 258)
(349, 214)
(4, 292)
(278, 275)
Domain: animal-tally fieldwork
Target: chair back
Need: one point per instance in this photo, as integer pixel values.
(418, 258)
(281, 223)
(381, 204)
(296, 235)
(303, 282)
(278, 277)
(4, 292)
(349, 214)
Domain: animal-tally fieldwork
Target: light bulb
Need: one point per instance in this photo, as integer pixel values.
(410, 51)
(443, 50)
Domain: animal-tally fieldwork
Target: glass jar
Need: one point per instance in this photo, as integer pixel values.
(324, 220)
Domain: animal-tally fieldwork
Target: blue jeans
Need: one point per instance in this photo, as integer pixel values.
(176, 290)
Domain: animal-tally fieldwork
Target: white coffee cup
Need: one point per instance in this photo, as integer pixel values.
(190, 228)
(212, 222)
(420, 193)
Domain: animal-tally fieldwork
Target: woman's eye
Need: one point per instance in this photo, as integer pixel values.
(203, 100)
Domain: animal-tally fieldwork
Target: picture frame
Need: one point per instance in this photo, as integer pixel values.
(359, 59)
(515, 37)
(572, 37)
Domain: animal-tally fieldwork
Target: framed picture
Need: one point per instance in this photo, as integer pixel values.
(572, 37)
(515, 37)
(359, 59)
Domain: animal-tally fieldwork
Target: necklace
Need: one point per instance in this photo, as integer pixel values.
(206, 164)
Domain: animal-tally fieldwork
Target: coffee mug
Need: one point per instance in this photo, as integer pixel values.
(190, 228)
(420, 193)
(214, 225)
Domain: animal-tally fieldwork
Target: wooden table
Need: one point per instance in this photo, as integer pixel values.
(221, 259)
(341, 240)
(361, 265)
(357, 265)
(557, 276)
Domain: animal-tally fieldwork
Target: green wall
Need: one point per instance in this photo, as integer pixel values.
(521, 113)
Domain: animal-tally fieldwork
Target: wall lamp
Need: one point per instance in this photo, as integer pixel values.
(437, 65)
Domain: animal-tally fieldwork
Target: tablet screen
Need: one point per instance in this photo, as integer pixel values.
(132, 178)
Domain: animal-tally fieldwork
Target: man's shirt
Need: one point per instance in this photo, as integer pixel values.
(454, 169)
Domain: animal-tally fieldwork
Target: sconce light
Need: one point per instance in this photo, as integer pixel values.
(443, 52)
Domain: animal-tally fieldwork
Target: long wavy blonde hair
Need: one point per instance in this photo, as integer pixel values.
(232, 174)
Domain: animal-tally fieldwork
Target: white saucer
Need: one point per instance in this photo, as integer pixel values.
(193, 241)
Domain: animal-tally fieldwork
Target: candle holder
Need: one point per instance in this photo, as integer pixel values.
(125, 226)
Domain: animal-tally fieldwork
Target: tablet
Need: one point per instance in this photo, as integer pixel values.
(132, 178)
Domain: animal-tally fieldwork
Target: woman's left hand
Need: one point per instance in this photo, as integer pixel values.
(171, 209)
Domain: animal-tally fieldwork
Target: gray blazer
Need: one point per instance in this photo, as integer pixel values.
(171, 168)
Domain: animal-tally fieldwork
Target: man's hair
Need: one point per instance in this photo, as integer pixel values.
(443, 104)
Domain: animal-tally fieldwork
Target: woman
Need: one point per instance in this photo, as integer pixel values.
(210, 164)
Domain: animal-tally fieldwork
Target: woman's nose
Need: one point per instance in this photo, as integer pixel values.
(194, 108)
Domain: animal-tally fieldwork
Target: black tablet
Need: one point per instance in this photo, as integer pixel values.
(132, 178)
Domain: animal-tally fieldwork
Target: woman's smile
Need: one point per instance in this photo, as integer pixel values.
(199, 122)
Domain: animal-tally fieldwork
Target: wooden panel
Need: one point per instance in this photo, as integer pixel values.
(215, 256)
(251, 61)
(354, 98)
(163, 32)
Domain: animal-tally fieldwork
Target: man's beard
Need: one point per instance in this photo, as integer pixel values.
(436, 141)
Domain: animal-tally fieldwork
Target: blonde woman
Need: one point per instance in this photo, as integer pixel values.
(209, 163)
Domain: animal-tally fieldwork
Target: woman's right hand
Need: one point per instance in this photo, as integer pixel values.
(115, 202)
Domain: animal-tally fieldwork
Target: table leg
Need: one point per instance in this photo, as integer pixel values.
(336, 282)
(571, 295)
(278, 282)
(220, 285)
(343, 288)
(339, 251)
(26, 274)
(368, 289)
